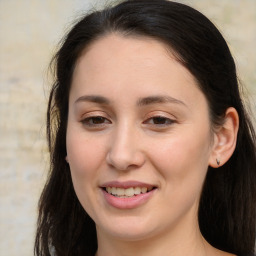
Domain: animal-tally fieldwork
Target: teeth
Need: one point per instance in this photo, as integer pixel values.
(128, 192)
(137, 191)
(113, 191)
(144, 190)
(120, 192)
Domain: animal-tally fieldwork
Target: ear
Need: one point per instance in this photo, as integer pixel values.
(66, 158)
(225, 139)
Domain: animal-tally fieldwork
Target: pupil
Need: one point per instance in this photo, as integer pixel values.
(159, 120)
(98, 120)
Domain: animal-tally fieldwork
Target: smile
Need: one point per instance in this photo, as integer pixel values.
(127, 192)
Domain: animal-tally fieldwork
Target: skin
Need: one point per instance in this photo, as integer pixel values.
(130, 142)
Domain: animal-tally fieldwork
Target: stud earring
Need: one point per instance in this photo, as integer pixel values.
(217, 161)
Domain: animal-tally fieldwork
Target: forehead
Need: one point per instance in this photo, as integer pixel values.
(142, 65)
(118, 43)
(132, 52)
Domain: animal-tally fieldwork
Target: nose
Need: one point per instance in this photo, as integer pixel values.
(125, 151)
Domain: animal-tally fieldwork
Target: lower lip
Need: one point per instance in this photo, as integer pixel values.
(128, 202)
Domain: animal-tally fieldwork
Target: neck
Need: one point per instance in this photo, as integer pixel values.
(178, 242)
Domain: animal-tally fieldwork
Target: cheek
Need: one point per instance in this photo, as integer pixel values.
(85, 157)
(84, 154)
(182, 164)
(183, 159)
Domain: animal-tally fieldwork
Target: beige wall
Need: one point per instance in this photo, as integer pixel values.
(29, 31)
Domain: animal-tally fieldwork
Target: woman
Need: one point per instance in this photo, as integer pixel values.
(152, 151)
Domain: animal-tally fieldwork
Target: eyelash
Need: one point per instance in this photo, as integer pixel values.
(167, 121)
(88, 121)
(101, 121)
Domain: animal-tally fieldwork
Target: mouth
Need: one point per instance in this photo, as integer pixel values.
(127, 192)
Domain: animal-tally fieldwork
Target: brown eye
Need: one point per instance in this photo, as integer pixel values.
(159, 121)
(95, 121)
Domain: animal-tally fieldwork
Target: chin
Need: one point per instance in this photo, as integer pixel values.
(129, 229)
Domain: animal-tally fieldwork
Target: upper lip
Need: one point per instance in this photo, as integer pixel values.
(127, 184)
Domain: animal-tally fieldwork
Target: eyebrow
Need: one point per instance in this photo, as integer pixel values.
(158, 99)
(141, 102)
(93, 98)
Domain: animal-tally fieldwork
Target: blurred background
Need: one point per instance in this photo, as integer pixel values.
(29, 33)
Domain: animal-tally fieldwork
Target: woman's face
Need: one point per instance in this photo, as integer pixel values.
(138, 138)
